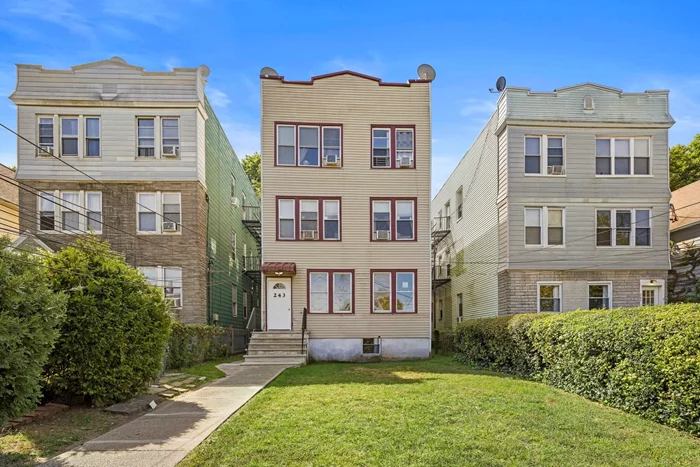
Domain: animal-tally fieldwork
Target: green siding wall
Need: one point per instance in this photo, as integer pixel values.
(223, 219)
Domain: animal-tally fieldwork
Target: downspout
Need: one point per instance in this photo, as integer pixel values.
(209, 271)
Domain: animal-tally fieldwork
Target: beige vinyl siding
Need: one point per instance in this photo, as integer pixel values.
(118, 159)
(503, 236)
(477, 233)
(502, 165)
(357, 103)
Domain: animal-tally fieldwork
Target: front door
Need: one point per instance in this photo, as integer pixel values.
(279, 304)
(651, 295)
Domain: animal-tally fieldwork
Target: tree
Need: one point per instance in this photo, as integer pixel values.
(684, 163)
(112, 339)
(29, 315)
(251, 165)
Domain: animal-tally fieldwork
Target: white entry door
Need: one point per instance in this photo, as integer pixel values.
(651, 295)
(279, 304)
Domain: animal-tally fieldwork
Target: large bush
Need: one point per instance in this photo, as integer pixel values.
(29, 314)
(191, 344)
(113, 336)
(644, 360)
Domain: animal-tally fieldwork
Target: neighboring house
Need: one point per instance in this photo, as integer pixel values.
(9, 199)
(168, 186)
(346, 201)
(685, 234)
(561, 203)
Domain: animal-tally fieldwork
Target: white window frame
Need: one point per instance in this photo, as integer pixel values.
(403, 152)
(154, 138)
(339, 148)
(389, 147)
(352, 294)
(631, 139)
(53, 151)
(374, 226)
(160, 217)
(633, 228)
(460, 203)
(396, 219)
(337, 203)
(610, 293)
(245, 304)
(162, 134)
(76, 137)
(299, 147)
(658, 284)
(294, 145)
(56, 210)
(98, 229)
(89, 138)
(301, 218)
(234, 247)
(559, 284)
(544, 226)
(391, 290)
(234, 300)
(280, 219)
(160, 279)
(544, 155)
(59, 207)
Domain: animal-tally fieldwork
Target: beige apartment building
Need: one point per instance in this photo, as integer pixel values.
(346, 205)
(562, 203)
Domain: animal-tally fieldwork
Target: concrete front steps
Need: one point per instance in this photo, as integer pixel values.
(277, 348)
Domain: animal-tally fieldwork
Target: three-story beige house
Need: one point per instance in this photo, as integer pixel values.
(346, 201)
(561, 203)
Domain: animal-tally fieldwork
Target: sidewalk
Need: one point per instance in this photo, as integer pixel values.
(166, 435)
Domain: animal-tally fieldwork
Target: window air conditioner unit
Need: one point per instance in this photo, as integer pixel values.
(459, 319)
(383, 235)
(169, 226)
(177, 302)
(215, 317)
(330, 160)
(44, 150)
(235, 201)
(555, 170)
(171, 151)
(308, 235)
(405, 161)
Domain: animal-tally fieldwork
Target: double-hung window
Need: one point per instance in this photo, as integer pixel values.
(549, 297)
(308, 145)
(309, 219)
(536, 218)
(92, 137)
(381, 148)
(46, 142)
(94, 211)
(393, 291)
(393, 147)
(331, 220)
(69, 136)
(47, 212)
(331, 291)
(286, 212)
(460, 202)
(552, 163)
(78, 211)
(158, 212)
(234, 247)
(623, 227)
(169, 279)
(234, 301)
(599, 295)
(623, 156)
(404, 147)
(170, 136)
(146, 137)
(393, 219)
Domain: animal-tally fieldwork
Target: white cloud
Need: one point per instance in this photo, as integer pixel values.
(477, 108)
(59, 12)
(217, 98)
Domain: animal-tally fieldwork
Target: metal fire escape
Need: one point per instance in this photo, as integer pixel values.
(439, 231)
(251, 221)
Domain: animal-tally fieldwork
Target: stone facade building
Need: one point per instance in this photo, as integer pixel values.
(139, 159)
(562, 203)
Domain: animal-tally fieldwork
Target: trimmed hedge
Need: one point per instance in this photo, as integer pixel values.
(191, 344)
(443, 341)
(644, 360)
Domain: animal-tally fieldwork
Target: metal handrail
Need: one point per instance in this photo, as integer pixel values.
(303, 329)
(252, 316)
(251, 213)
(442, 223)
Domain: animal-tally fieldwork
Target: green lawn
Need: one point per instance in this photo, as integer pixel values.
(209, 369)
(434, 412)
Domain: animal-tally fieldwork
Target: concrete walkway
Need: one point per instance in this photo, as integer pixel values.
(164, 436)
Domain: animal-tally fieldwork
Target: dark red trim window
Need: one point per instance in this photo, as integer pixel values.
(394, 291)
(330, 291)
(393, 219)
(308, 218)
(308, 144)
(393, 147)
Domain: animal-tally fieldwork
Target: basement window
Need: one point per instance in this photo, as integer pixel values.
(371, 346)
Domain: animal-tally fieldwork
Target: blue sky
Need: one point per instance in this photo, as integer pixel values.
(541, 45)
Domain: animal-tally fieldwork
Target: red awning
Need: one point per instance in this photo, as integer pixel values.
(289, 268)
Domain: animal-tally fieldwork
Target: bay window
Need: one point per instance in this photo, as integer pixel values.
(623, 156)
(331, 291)
(623, 227)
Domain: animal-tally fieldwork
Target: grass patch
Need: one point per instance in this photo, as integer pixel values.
(435, 412)
(44, 438)
(209, 369)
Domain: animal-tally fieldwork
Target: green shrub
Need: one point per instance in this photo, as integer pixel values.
(113, 337)
(444, 341)
(644, 360)
(498, 343)
(29, 314)
(192, 344)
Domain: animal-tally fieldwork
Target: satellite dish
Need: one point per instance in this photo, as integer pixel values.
(268, 72)
(426, 72)
(501, 84)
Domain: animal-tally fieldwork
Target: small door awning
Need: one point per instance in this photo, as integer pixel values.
(279, 268)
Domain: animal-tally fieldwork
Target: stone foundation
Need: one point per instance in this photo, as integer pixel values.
(350, 350)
